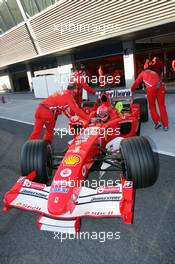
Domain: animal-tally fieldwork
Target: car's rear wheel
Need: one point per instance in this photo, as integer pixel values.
(37, 155)
(139, 163)
(143, 108)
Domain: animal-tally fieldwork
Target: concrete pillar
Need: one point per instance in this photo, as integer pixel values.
(11, 81)
(128, 59)
(29, 76)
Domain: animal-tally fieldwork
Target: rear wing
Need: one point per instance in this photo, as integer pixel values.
(116, 94)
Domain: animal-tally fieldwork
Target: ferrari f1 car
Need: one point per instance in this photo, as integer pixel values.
(65, 199)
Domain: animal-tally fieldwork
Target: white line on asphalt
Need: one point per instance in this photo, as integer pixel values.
(16, 120)
(164, 152)
(167, 153)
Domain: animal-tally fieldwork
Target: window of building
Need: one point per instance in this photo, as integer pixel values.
(10, 15)
(33, 7)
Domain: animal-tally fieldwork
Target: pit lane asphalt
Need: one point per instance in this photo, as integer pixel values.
(151, 239)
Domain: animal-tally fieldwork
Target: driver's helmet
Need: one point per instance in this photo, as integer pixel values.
(103, 112)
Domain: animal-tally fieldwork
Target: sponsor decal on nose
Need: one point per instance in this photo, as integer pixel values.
(66, 173)
(71, 160)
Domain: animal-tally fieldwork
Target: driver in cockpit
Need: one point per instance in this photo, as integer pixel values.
(105, 111)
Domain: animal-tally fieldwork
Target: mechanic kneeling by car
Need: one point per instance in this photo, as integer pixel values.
(49, 109)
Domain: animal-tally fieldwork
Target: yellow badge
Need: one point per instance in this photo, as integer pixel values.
(72, 160)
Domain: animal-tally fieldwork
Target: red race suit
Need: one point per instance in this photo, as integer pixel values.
(48, 110)
(79, 80)
(155, 90)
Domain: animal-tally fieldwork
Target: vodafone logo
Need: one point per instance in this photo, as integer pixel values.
(33, 185)
(66, 173)
(112, 189)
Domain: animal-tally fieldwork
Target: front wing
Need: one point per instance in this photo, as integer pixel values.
(109, 201)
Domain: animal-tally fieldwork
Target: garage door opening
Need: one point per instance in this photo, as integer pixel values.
(20, 82)
(111, 66)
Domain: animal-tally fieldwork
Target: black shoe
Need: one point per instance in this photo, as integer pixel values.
(158, 125)
(165, 128)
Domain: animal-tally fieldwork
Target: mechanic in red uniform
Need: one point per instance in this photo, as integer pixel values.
(155, 90)
(117, 75)
(48, 110)
(78, 81)
(101, 77)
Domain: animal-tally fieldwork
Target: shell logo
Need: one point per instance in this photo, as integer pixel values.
(87, 213)
(18, 203)
(72, 160)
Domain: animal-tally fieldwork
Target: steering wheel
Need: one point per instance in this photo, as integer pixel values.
(95, 120)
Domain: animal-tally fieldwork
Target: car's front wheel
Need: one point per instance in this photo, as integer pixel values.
(139, 162)
(37, 155)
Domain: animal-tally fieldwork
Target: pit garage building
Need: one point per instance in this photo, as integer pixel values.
(42, 39)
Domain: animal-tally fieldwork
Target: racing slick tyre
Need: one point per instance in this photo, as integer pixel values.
(139, 163)
(37, 155)
(143, 108)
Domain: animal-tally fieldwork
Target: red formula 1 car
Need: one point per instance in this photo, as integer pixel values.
(61, 204)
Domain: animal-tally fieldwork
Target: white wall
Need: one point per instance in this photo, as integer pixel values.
(47, 84)
(40, 87)
(5, 82)
(57, 80)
